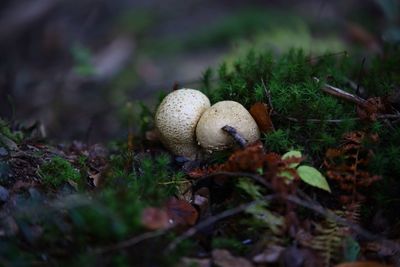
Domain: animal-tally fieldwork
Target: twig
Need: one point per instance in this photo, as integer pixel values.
(342, 94)
(327, 55)
(253, 176)
(130, 242)
(382, 116)
(213, 219)
(268, 94)
(235, 135)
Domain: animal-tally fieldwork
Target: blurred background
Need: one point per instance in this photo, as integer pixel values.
(80, 67)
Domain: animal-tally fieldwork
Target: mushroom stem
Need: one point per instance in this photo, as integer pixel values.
(235, 135)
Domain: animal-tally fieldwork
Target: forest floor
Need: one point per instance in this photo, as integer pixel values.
(85, 179)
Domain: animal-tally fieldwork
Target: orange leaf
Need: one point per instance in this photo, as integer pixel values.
(155, 218)
(181, 212)
(260, 113)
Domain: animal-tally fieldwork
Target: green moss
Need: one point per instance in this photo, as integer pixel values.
(58, 171)
(6, 131)
(301, 108)
(278, 141)
(230, 244)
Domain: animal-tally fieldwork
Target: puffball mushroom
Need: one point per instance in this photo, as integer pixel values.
(209, 131)
(176, 119)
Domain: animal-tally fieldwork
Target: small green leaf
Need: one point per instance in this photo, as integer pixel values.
(293, 153)
(250, 188)
(313, 177)
(351, 249)
(287, 175)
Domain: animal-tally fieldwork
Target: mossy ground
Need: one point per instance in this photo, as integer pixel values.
(77, 221)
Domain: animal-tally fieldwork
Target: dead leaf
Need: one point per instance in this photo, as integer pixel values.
(347, 165)
(96, 179)
(260, 113)
(181, 212)
(370, 110)
(223, 258)
(155, 218)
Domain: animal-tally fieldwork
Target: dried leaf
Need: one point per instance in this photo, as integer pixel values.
(155, 218)
(181, 212)
(346, 165)
(371, 109)
(260, 113)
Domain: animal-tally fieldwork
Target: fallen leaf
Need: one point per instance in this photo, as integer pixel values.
(181, 212)
(155, 218)
(260, 113)
(347, 165)
(372, 108)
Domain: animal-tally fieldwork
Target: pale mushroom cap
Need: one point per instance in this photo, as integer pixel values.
(209, 133)
(176, 119)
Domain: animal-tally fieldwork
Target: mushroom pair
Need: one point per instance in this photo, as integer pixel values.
(187, 122)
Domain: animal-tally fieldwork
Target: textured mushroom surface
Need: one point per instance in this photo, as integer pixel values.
(176, 119)
(209, 133)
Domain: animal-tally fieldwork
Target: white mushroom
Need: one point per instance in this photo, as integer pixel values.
(209, 133)
(176, 119)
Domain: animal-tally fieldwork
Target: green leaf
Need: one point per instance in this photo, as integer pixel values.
(313, 177)
(261, 212)
(286, 175)
(293, 153)
(250, 188)
(351, 249)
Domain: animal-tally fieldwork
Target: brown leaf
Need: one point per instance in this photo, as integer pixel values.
(223, 258)
(96, 178)
(181, 212)
(155, 218)
(260, 113)
(371, 109)
(346, 165)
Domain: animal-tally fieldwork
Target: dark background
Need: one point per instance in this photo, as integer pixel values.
(78, 67)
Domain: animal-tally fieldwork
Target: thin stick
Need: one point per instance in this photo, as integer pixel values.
(268, 93)
(130, 242)
(329, 89)
(235, 135)
(213, 219)
(382, 116)
(255, 177)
